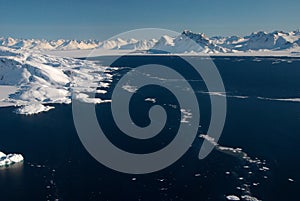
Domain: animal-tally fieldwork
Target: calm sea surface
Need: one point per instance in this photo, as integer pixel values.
(57, 166)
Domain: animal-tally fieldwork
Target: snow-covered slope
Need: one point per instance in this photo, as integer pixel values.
(41, 79)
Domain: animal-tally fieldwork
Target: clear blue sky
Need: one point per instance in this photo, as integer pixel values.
(100, 19)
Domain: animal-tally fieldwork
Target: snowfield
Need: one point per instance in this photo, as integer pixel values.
(30, 80)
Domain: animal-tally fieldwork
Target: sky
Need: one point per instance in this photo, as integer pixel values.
(101, 19)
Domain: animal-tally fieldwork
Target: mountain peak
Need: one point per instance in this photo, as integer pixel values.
(190, 33)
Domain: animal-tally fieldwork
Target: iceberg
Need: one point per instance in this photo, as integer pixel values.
(10, 159)
(232, 197)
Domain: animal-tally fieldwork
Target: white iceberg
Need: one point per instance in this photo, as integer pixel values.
(232, 197)
(10, 159)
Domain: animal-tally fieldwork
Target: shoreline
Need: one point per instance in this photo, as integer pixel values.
(91, 53)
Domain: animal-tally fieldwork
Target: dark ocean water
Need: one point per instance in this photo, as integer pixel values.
(57, 166)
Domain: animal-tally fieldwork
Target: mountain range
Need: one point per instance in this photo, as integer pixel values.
(186, 42)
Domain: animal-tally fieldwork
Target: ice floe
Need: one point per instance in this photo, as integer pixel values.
(237, 152)
(249, 198)
(222, 94)
(186, 115)
(87, 99)
(232, 197)
(33, 109)
(153, 100)
(129, 88)
(249, 165)
(281, 99)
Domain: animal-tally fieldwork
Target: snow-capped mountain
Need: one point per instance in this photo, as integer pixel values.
(74, 44)
(7, 41)
(186, 42)
(274, 41)
(139, 44)
(37, 44)
(113, 44)
(263, 40)
(189, 42)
